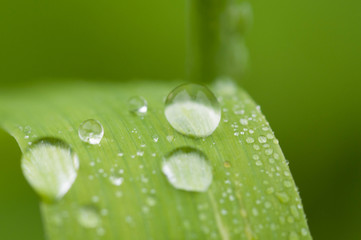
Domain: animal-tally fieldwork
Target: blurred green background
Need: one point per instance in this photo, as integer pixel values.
(304, 71)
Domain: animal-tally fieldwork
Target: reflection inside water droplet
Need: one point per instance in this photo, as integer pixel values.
(188, 169)
(91, 131)
(193, 110)
(51, 167)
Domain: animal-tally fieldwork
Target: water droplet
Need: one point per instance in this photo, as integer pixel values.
(268, 151)
(249, 140)
(116, 179)
(151, 201)
(100, 231)
(287, 184)
(138, 105)
(304, 232)
(51, 167)
(188, 169)
(170, 138)
(270, 190)
(254, 211)
(294, 211)
(91, 131)
(293, 236)
(258, 163)
(88, 217)
(155, 138)
(270, 136)
(256, 147)
(283, 197)
(262, 139)
(193, 110)
(243, 121)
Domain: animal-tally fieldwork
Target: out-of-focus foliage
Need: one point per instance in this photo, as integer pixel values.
(304, 72)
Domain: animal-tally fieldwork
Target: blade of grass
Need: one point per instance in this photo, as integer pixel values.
(252, 195)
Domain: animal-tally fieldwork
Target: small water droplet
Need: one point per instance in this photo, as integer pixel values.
(155, 138)
(258, 163)
(243, 121)
(170, 138)
(51, 167)
(250, 140)
(193, 110)
(270, 136)
(256, 147)
(116, 179)
(268, 151)
(138, 105)
(91, 131)
(270, 190)
(294, 211)
(100, 231)
(293, 236)
(304, 232)
(151, 201)
(88, 217)
(287, 184)
(255, 212)
(262, 139)
(283, 197)
(188, 169)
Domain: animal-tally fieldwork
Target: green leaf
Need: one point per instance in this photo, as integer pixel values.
(252, 194)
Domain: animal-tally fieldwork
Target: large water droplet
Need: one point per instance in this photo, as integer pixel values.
(91, 131)
(138, 105)
(88, 217)
(188, 169)
(193, 110)
(51, 167)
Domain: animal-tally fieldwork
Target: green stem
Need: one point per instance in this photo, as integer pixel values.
(215, 41)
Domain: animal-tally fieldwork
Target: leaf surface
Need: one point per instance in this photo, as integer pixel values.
(252, 194)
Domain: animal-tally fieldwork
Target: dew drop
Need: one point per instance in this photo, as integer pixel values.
(88, 217)
(151, 201)
(91, 131)
(262, 139)
(254, 211)
(287, 184)
(294, 211)
(193, 110)
(249, 140)
(243, 121)
(138, 105)
(188, 169)
(283, 197)
(51, 167)
(270, 190)
(259, 163)
(293, 236)
(304, 232)
(116, 179)
(270, 136)
(268, 151)
(256, 147)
